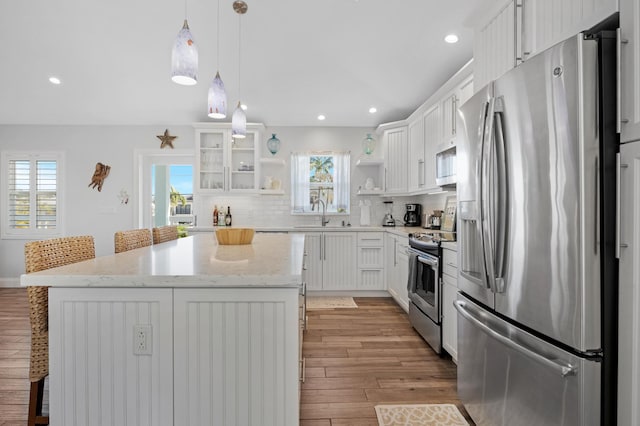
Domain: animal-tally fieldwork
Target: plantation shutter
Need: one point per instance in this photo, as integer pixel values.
(19, 194)
(46, 194)
(32, 195)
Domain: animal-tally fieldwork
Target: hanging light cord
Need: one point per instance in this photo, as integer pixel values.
(185, 10)
(239, 51)
(218, 38)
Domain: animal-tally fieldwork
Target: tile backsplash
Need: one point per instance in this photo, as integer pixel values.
(275, 210)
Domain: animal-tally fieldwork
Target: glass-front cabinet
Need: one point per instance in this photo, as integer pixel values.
(226, 164)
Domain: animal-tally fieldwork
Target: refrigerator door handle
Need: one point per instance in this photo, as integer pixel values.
(480, 167)
(501, 218)
(486, 182)
(563, 369)
(596, 237)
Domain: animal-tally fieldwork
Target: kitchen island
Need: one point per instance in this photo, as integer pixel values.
(186, 332)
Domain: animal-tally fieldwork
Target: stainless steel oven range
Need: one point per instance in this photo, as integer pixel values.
(424, 288)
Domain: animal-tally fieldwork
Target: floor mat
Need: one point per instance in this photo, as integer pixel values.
(328, 302)
(420, 415)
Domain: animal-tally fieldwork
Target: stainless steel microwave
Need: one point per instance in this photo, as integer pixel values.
(446, 166)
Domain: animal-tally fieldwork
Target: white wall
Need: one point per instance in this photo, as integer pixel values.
(274, 210)
(87, 211)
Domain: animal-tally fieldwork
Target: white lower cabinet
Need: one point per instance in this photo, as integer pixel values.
(211, 356)
(449, 294)
(313, 260)
(397, 269)
(331, 260)
(94, 371)
(371, 261)
(234, 360)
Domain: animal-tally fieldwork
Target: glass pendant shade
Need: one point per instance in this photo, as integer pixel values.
(273, 144)
(217, 98)
(239, 123)
(368, 144)
(184, 58)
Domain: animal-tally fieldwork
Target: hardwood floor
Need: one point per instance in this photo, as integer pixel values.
(359, 358)
(355, 358)
(15, 341)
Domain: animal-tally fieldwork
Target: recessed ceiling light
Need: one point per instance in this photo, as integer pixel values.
(244, 107)
(373, 110)
(54, 80)
(451, 38)
(321, 117)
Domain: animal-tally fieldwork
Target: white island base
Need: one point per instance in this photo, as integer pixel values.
(186, 355)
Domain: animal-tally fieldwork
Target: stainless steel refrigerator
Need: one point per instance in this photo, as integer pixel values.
(535, 320)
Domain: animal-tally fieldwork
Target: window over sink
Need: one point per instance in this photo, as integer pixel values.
(320, 180)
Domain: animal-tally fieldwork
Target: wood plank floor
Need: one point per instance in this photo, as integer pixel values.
(362, 357)
(356, 359)
(15, 341)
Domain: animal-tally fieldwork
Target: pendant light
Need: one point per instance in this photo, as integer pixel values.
(217, 98)
(239, 119)
(184, 56)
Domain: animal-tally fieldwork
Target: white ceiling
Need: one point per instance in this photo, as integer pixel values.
(299, 58)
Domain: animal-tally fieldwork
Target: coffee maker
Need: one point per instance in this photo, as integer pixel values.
(413, 216)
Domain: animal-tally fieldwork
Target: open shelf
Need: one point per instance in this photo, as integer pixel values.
(370, 162)
(371, 192)
(271, 192)
(274, 161)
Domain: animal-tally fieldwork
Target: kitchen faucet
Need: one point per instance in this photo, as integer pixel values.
(324, 207)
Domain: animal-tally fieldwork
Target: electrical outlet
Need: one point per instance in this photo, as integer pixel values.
(142, 339)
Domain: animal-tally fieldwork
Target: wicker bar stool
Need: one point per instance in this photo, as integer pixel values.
(163, 234)
(38, 256)
(133, 239)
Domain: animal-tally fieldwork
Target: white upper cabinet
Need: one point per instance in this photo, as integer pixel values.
(224, 164)
(629, 70)
(450, 104)
(515, 30)
(395, 140)
(416, 157)
(547, 22)
(494, 45)
(628, 242)
(411, 145)
(432, 139)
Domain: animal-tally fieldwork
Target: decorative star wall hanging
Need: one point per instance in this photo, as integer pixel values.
(167, 139)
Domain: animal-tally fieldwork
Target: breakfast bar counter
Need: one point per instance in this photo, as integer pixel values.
(186, 332)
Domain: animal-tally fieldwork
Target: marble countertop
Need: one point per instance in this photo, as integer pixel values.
(398, 230)
(272, 260)
(402, 231)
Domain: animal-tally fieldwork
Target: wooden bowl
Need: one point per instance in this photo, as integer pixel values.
(234, 236)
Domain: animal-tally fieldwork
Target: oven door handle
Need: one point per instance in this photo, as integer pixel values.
(428, 261)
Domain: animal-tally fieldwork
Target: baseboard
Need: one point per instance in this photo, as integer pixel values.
(9, 282)
(349, 293)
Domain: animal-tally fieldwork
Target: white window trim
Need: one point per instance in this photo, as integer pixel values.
(8, 233)
(316, 213)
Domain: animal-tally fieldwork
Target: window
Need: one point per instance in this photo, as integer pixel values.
(31, 195)
(320, 179)
(172, 194)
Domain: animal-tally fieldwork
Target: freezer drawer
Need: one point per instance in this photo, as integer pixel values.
(506, 376)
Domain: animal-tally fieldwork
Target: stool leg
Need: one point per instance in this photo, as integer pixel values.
(36, 394)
